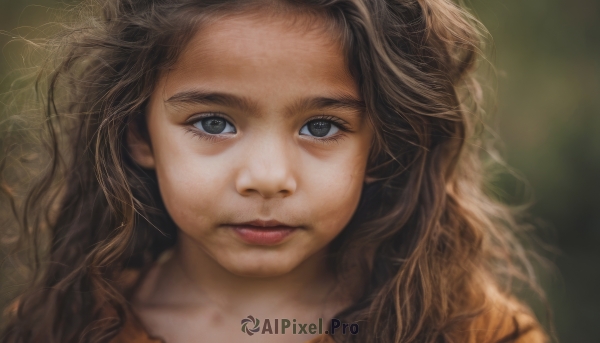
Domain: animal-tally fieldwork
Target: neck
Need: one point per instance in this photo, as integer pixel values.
(192, 277)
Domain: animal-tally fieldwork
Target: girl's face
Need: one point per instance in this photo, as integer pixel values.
(259, 141)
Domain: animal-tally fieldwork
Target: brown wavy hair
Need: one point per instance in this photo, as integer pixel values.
(435, 249)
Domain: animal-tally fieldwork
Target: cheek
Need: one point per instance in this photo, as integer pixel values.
(188, 184)
(182, 198)
(334, 192)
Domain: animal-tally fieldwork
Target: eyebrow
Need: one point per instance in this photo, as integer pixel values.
(213, 98)
(344, 102)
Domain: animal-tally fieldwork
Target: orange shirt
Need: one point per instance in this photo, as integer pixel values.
(500, 321)
(490, 327)
(134, 333)
(497, 323)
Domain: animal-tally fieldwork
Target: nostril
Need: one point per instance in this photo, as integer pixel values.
(264, 183)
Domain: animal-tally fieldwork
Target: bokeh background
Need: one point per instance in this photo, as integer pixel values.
(547, 113)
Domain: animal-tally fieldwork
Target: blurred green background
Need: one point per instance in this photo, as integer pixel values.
(547, 56)
(548, 61)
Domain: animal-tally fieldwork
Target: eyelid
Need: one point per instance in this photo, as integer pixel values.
(339, 122)
(205, 136)
(212, 138)
(199, 116)
(342, 126)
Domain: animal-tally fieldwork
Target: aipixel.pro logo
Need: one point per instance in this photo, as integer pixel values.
(254, 322)
(252, 325)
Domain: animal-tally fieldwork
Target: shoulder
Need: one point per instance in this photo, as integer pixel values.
(132, 332)
(505, 319)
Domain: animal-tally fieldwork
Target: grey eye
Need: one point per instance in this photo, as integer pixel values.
(214, 125)
(319, 128)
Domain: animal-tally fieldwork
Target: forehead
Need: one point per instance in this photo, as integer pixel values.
(278, 52)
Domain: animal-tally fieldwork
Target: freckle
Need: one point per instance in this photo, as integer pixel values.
(216, 319)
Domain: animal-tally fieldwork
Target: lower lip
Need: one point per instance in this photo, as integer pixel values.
(263, 235)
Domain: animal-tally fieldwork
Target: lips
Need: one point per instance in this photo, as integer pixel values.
(262, 232)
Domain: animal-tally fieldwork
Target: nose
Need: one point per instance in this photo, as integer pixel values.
(266, 169)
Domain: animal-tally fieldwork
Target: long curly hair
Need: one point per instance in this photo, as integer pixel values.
(435, 249)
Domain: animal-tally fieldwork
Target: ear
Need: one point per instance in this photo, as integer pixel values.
(139, 148)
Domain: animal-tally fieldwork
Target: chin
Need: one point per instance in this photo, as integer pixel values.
(259, 269)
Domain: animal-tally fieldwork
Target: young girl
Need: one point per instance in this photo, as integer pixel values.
(267, 171)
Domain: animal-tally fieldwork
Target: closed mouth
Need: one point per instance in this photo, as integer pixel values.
(271, 223)
(262, 232)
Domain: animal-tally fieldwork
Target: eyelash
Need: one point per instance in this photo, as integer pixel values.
(341, 124)
(199, 134)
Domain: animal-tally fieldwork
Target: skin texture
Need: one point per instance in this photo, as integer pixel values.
(263, 167)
